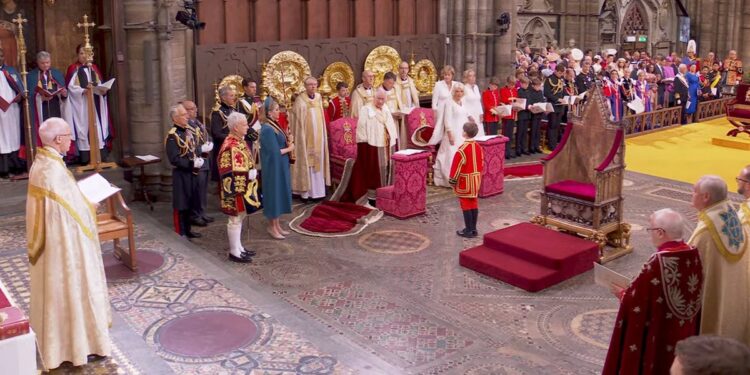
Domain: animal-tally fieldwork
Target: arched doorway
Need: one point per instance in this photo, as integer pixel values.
(634, 31)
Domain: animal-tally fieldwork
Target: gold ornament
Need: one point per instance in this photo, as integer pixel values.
(285, 76)
(339, 72)
(234, 81)
(425, 76)
(381, 60)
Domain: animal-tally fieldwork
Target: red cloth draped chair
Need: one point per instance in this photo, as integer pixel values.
(407, 196)
(493, 178)
(342, 145)
(583, 176)
(738, 111)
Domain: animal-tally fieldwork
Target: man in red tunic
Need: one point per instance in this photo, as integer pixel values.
(507, 94)
(466, 177)
(661, 306)
(239, 187)
(490, 100)
(340, 106)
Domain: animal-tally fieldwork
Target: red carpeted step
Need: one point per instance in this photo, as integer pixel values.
(544, 246)
(512, 270)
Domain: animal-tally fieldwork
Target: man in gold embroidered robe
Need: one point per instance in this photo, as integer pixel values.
(69, 310)
(722, 242)
(363, 93)
(409, 96)
(310, 172)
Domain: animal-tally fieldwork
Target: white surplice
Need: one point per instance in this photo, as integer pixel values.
(10, 120)
(77, 112)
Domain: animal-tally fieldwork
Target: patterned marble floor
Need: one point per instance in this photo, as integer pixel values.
(392, 300)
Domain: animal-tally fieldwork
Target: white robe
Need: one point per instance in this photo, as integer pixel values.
(451, 116)
(77, 113)
(10, 120)
(441, 93)
(473, 101)
(70, 310)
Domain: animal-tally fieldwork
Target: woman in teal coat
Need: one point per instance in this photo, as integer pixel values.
(276, 180)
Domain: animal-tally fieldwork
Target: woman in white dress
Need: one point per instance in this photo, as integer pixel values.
(441, 93)
(473, 98)
(449, 133)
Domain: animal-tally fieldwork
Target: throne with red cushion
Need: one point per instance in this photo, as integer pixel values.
(342, 145)
(583, 176)
(738, 111)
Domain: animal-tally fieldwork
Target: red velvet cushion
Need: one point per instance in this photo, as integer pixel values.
(741, 113)
(573, 189)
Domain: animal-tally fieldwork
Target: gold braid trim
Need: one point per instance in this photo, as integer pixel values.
(40, 194)
(713, 231)
(556, 87)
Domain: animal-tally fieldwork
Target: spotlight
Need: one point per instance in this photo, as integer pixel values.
(189, 16)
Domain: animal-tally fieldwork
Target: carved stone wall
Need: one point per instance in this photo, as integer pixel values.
(217, 61)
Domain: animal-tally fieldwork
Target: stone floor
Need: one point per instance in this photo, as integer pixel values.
(391, 300)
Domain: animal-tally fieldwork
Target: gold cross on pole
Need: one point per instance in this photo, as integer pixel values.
(86, 24)
(19, 20)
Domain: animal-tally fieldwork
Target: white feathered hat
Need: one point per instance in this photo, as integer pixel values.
(691, 46)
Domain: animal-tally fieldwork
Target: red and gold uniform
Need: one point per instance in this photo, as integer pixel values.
(466, 173)
(733, 67)
(339, 108)
(239, 190)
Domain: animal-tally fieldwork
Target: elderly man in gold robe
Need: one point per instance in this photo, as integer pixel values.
(722, 242)
(310, 172)
(69, 303)
(363, 93)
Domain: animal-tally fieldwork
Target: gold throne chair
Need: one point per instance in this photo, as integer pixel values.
(583, 176)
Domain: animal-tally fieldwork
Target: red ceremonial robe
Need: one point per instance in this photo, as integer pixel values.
(659, 308)
(506, 96)
(338, 108)
(466, 173)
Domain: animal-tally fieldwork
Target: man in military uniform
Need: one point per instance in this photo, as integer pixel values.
(219, 129)
(203, 147)
(186, 162)
(554, 93)
(239, 186)
(249, 103)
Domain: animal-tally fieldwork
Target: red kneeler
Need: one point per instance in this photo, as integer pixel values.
(407, 196)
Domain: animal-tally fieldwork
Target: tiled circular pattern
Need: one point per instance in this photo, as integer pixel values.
(570, 331)
(115, 270)
(595, 327)
(394, 242)
(206, 333)
(534, 195)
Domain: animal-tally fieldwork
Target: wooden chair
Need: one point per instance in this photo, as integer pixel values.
(114, 226)
(583, 176)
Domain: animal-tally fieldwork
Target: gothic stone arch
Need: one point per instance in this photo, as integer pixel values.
(635, 21)
(538, 34)
(608, 23)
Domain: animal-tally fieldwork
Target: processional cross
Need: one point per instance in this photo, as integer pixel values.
(21, 43)
(87, 47)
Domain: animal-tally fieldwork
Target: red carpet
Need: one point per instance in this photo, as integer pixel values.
(334, 217)
(530, 257)
(523, 170)
(4, 302)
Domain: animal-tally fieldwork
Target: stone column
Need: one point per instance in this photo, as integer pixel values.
(485, 26)
(741, 48)
(707, 31)
(158, 56)
(470, 48)
(504, 45)
(457, 36)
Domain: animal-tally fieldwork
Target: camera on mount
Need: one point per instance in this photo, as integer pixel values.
(189, 16)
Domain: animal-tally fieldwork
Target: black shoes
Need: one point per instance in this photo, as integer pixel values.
(467, 233)
(193, 235)
(199, 222)
(245, 257)
(208, 219)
